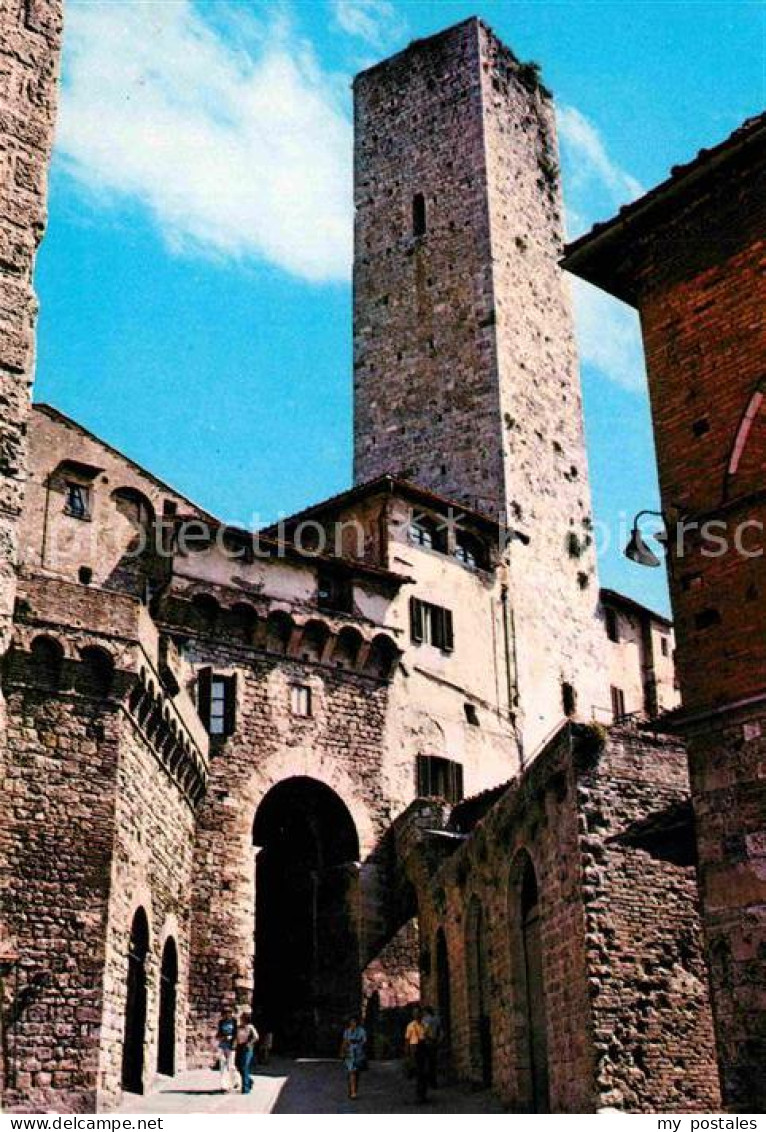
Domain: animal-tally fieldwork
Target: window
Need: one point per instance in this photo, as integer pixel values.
(664, 646)
(431, 625)
(85, 575)
(439, 778)
(612, 625)
(217, 702)
(471, 714)
(418, 215)
(428, 533)
(618, 703)
(77, 500)
(335, 592)
(300, 700)
(707, 619)
(568, 699)
(469, 551)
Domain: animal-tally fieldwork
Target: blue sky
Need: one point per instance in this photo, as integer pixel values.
(195, 277)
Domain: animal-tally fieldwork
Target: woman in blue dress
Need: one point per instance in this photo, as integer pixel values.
(352, 1052)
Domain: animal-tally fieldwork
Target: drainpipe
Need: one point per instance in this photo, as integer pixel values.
(511, 663)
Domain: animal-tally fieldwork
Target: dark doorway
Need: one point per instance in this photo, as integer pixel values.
(478, 993)
(135, 1006)
(166, 1036)
(443, 1001)
(307, 972)
(531, 985)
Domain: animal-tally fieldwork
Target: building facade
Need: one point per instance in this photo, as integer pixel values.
(690, 257)
(290, 769)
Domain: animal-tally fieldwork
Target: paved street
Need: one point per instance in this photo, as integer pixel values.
(306, 1086)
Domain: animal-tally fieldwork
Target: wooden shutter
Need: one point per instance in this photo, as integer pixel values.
(416, 619)
(230, 705)
(458, 783)
(204, 682)
(448, 636)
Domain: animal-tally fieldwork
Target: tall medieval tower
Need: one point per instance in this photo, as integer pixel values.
(465, 371)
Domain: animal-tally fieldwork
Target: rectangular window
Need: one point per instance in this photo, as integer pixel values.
(664, 645)
(612, 625)
(334, 592)
(300, 700)
(439, 778)
(431, 625)
(77, 500)
(618, 703)
(217, 702)
(418, 215)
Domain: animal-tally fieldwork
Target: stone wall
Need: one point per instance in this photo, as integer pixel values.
(617, 1015)
(30, 32)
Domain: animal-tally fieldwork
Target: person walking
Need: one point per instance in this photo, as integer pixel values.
(415, 1043)
(247, 1039)
(226, 1037)
(433, 1037)
(352, 1051)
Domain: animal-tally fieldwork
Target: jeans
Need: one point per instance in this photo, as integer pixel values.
(245, 1056)
(228, 1071)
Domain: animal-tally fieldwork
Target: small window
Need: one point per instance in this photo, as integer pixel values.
(618, 703)
(335, 592)
(217, 702)
(429, 534)
(300, 700)
(439, 778)
(418, 215)
(77, 500)
(471, 714)
(612, 625)
(568, 699)
(701, 427)
(468, 550)
(85, 575)
(664, 646)
(431, 625)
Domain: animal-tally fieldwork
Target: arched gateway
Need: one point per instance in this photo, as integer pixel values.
(307, 971)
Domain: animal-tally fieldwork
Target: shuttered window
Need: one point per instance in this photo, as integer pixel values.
(439, 778)
(217, 702)
(431, 624)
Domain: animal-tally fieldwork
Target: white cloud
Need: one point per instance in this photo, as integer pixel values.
(375, 21)
(229, 133)
(595, 186)
(609, 336)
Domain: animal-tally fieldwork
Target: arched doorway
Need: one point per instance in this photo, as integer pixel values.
(443, 1000)
(135, 1005)
(166, 1033)
(478, 993)
(529, 982)
(307, 971)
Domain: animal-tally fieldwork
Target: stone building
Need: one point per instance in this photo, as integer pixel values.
(640, 651)
(690, 257)
(344, 760)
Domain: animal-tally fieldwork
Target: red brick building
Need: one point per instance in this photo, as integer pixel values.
(691, 256)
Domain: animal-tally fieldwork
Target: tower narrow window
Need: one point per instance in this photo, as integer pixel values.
(418, 215)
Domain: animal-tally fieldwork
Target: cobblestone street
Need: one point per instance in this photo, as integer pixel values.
(308, 1087)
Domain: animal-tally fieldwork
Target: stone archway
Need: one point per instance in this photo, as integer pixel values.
(480, 1026)
(307, 963)
(166, 1030)
(135, 1005)
(529, 987)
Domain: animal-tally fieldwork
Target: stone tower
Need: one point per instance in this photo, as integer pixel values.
(465, 371)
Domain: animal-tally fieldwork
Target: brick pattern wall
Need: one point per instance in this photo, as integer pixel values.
(627, 1018)
(30, 33)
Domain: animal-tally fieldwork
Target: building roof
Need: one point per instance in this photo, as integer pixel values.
(56, 415)
(595, 256)
(388, 485)
(613, 598)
